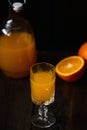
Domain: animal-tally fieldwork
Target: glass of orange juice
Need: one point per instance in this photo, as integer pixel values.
(42, 82)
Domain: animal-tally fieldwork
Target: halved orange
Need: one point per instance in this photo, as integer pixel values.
(70, 68)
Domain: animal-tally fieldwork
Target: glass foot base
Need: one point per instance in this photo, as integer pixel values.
(45, 122)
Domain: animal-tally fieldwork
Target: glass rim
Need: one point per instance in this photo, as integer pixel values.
(39, 63)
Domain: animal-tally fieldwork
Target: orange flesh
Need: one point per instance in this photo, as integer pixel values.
(69, 65)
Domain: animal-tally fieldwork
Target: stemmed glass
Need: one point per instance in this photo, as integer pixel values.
(42, 82)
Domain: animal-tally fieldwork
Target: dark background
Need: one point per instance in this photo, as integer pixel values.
(58, 25)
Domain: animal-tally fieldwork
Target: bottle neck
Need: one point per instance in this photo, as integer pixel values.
(17, 8)
(15, 20)
(13, 13)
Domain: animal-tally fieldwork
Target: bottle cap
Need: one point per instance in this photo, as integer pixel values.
(17, 6)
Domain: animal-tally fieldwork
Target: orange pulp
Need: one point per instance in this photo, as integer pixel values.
(71, 68)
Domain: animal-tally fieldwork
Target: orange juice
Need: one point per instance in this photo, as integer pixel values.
(42, 87)
(17, 54)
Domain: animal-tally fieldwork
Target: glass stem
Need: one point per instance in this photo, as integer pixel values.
(43, 112)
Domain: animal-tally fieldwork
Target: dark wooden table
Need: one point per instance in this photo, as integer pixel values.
(70, 106)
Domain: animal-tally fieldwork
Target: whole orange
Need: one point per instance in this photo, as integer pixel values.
(82, 51)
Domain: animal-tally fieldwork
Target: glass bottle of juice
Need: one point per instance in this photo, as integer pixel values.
(17, 43)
